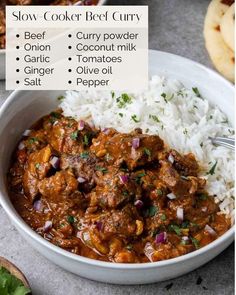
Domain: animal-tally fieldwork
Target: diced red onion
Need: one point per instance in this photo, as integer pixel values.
(26, 132)
(21, 146)
(81, 125)
(204, 209)
(180, 213)
(99, 225)
(138, 204)
(81, 179)
(210, 230)
(171, 159)
(135, 143)
(106, 131)
(46, 210)
(55, 162)
(124, 178)
(161, 238)
(47, 226)
(38, 206)
(171, 196)
(185, 238)
(149, 250)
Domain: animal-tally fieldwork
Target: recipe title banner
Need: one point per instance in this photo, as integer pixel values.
(88, 16)
(77, 47)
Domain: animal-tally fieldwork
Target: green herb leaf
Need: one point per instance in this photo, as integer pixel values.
(121, 115)
(33, 140)
(112, 94)
(61, 97)
(203, 197)
(138, 178)
(74, 135)
(70, 219)
(129, 247)
(152, 210)
(86, 140)
(212, 170)
(135, 119)
(175, 228)
(195, 242)
(102, 169)
(123, 100)
(159, 192)
(37, 165)
(10, 285)
(147, 152)
(155, 118)
(84, 155)
(196, 91)
(163, 217)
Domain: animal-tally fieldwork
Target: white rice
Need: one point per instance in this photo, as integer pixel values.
(181, 118)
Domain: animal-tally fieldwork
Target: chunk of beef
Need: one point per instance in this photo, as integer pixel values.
(83, 166)
(58, 186)
(38, 166)
(134, 149)
(65, 136)
(186, 165)
(115, 188)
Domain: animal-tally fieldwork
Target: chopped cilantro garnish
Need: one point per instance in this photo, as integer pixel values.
(195, 242)
(121, 115)
(129, 247)
(212, 170)
(33, 139)
(135, 119)
(70, 219)
(139, 176)
(163, 217)
(147, 152)
(11, 285)
(112, 94)
(102, 169)
(61, 97)
(185, 224)
(201, 144)
(74, 135)
(55, 115)
(185, 131)
(84, 155)
(155, 118)
(196, 91)
(86, 140)
(123, 100)
(175, 228)
(151, 211)
(159, 192)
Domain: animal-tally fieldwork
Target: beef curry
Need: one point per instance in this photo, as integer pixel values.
(34, 2)
(110, 196)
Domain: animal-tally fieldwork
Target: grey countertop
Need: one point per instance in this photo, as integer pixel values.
(175, 26)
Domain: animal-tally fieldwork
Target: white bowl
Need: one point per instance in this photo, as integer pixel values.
(23, 108)
(3, 52)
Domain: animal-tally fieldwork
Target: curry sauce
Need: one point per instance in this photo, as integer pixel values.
(111, 196)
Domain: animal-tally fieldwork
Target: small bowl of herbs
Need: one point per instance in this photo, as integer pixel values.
(12, 280)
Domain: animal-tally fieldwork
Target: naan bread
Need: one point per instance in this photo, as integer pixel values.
(227, 27)
(221, 55)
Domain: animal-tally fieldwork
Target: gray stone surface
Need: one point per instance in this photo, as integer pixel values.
(175, 26)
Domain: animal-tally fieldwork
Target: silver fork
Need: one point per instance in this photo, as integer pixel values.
(223, 141)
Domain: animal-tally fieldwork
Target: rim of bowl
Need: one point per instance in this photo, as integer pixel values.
(13, 215)
(101, 2)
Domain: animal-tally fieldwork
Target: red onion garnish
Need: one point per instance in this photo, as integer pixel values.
(204, 209)
(135, 143)
(21, 146)
(185, 238)
(106, 131)
(99, 225)
(210, 230)
(138, 204)
(38, 206)
(171, 196)
(149, 250)
(161, 238)
(47, 226)
(124, 178)
(26, 132)
(81, 179)
(81, 125)
(55, 162)
(180, 213)
(171, 159)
